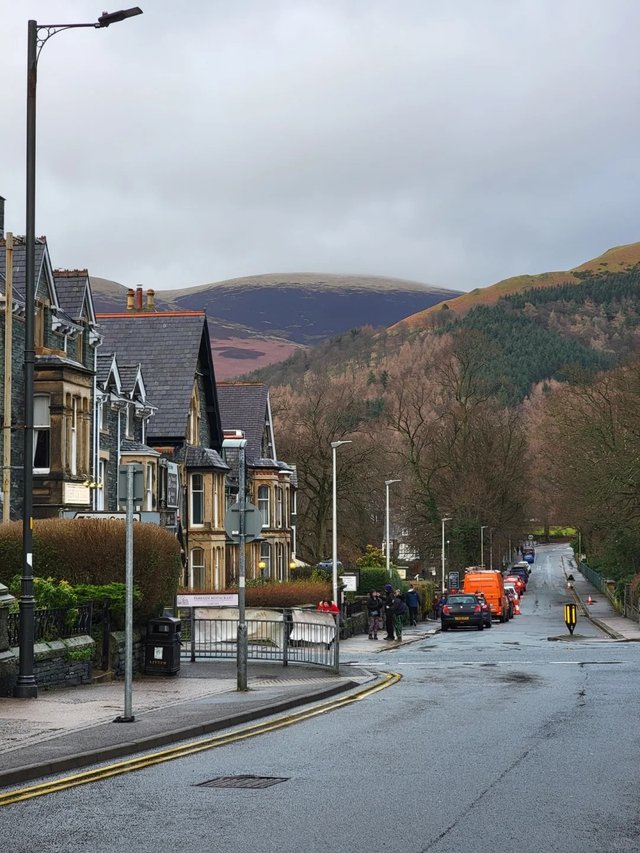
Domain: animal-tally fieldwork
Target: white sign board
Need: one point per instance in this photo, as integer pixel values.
(227, 600)
(350, 582)
(107, 516)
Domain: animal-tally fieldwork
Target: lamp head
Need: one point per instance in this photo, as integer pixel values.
(389, 482)
(335, 444)
(107, 18)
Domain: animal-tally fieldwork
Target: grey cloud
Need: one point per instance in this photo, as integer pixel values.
(450, 143)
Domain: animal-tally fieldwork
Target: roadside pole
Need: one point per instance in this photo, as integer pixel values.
(129, 472)
(242, 620)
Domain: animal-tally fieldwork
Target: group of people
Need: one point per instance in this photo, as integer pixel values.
(392, 609)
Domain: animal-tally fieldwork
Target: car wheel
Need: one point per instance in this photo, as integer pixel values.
(502, 619)
(488, 624)
(444, 627)
(481, 627)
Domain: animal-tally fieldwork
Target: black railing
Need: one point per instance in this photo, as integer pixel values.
(54, 624)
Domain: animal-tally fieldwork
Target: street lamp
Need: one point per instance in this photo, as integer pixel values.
(26, 687)
(444, 520)
(388, 483)
(334, 553)
(482, 529)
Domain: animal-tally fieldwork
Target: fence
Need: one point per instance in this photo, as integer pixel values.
(297, 636)
(54, 624)
(628, 606)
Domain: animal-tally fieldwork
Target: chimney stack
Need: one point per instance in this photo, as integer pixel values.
(1, 217)
(150, 300)
(130, 295)
(138, 299)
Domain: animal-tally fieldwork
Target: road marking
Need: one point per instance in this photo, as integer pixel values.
(193, 747)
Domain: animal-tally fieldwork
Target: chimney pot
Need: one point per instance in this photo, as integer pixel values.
(130, 295)
(150, 299)
(138, 299)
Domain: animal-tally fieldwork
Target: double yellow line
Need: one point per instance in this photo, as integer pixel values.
(191, 748)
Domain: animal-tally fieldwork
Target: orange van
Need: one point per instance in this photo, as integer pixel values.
(491, 584)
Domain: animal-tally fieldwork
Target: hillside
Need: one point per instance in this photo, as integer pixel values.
(260, 320)
(565, 331)
(618, 259)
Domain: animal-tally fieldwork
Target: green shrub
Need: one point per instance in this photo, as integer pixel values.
(48, 593)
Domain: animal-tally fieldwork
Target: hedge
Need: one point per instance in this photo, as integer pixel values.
(92, 551)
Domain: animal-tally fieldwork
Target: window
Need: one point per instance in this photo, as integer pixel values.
(279, 517)
(265, 557)
(263, 505)
(73, 444)
(197, 574)
(216, 503)
(102, 484)
(197, 499)
(129, 422)
(194, 419)
(41, 434)
(148, 489)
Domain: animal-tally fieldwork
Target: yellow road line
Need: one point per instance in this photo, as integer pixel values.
(191, 748)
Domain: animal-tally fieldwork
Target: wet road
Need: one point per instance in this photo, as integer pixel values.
(518, 738)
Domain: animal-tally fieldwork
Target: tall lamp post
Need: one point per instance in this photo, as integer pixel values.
(26, 687)
(444, 521)
(388, 483)
(482, 529)
(334, 551)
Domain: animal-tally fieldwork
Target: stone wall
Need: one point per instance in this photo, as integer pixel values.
(117, 652)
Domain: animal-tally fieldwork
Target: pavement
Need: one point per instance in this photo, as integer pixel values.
(75, 727)
(69, 728)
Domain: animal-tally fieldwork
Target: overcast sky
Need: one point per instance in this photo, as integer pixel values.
(449, 142)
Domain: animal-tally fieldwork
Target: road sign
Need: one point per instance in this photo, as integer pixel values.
(530, 537)
(252, 522)
(454, 580)
(570, 616)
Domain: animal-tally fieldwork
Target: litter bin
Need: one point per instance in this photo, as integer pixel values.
(162, 646)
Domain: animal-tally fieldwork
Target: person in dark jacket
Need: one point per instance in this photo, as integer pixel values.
(388, 613)
(412, 600)
(399, 609)
(374, 609)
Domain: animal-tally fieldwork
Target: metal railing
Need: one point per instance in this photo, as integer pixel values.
(284, 639)
(55, 623)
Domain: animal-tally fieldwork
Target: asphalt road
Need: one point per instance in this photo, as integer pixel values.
(503, 739)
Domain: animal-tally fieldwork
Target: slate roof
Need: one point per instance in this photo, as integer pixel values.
(204, 457)
(72, 287)
(19, 261)
(129, 446)
(244, 405)
(167, 345)
(103, 366)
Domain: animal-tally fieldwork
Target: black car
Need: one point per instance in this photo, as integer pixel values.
(462, 610)
(486, 610)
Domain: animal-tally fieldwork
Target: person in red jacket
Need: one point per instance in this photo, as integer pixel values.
(328, 606)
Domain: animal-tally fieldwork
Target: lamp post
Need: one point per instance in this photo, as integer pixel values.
(482, 529)
(334, 552)
(444, 520)
(388, 483)
(26, 687)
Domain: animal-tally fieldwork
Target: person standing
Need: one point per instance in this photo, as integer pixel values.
(399, 609)
(412, 600)
(388, 612)
(374, 609)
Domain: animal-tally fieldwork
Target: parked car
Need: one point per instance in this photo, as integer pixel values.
(523, 564)
(462, 611)
(512, 595)
(486, 610)
(520, 572)
(518, 583)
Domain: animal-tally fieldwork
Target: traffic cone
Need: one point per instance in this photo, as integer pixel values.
(589, 600)
(517, 612)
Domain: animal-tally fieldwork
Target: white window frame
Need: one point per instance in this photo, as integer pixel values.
(264, 505)
(265, 557)
(193, 492)
(148, 488)
(197, 569)
(102, 484)
(41, 428)
(73, 449)
(279, 507)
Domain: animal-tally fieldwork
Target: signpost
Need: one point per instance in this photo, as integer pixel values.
(252, 521)
(570, 616)
(454, 581)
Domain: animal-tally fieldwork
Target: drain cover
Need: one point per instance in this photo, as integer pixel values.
(243, 782)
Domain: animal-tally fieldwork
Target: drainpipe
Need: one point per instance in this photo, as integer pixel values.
(8, 373)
